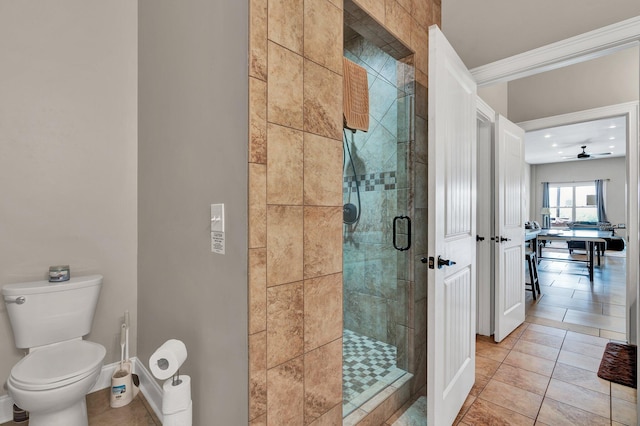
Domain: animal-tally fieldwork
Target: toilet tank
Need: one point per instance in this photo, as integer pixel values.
(51, 312)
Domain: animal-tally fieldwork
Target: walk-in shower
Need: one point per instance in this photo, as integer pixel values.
(375, 194)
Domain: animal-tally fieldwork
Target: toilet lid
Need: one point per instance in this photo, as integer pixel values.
(58, 364)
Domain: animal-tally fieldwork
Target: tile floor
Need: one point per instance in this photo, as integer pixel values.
(545, 372)
(369, 366)
(571, 302)
(539, 375)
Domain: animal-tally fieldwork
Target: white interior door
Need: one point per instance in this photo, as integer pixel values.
(452, 232)
(509, 228)
(484, 220)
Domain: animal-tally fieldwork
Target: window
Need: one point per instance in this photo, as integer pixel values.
(573, 202)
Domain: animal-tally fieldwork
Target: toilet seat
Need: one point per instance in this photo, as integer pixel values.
(57, 365)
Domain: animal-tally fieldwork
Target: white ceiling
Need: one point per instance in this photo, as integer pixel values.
(564, 143)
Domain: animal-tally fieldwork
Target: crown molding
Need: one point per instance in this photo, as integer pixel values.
(583, 47)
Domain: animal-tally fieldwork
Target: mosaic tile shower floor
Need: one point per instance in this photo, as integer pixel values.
(369, 366)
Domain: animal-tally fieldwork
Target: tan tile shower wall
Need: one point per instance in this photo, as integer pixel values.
(295, 199)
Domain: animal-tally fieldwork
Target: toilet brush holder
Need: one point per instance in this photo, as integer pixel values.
(123, 386)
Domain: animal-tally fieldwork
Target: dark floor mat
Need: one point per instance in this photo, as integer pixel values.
(619, 364)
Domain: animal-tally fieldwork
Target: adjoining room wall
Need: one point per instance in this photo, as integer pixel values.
(584, 171)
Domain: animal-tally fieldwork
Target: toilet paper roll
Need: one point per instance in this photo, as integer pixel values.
(176, 398)
(167, 359)
(181, 418)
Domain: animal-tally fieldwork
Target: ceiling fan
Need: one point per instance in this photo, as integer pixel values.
(584, 154)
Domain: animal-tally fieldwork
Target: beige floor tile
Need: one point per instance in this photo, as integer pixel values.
(614, 310)
(595, 297)
(584, 338)
(583, 348)
(508, 342)
(483, 413)
(579, 328)
(578, 376)
(523, 379)
(550, 312)
(556, 291)
(491, 351)
(554, 413)
(613, 335)
(572, 303)
(578, 360)
(546, 330)
(530, 363)
(595, 320)
(512, 398)
(486, 366)
(624, 392)
(579, 397)
(536, 349)
(542, 338)
(480, 383)
(546, 322)
(624, 412)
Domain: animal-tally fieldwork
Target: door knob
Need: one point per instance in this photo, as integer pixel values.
(479, 238)
(502, 239)
(444, 262)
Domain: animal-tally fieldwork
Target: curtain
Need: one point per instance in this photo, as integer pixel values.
(546, 220)
(602, 215)
(545, 194)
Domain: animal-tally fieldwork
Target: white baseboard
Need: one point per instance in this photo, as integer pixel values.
(148, 386)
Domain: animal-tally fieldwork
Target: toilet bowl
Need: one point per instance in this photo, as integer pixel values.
(50, 319)
(51, 383)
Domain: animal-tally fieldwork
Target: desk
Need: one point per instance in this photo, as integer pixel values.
(588, 236)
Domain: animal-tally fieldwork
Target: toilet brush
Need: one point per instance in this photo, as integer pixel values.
(122, 344)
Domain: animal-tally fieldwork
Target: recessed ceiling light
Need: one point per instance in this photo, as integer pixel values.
(613, 126)
(547, 136)
(554, 145)
(612, 146)
(559, 152)
(612, 138)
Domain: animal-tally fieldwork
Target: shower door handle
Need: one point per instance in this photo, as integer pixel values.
(395, 222)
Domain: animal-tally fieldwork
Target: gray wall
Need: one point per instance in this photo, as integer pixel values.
(68, 153)
(193, 133)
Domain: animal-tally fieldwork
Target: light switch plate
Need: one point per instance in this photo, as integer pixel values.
(217, 217)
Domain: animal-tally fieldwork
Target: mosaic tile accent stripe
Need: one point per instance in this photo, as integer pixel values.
(371, 182)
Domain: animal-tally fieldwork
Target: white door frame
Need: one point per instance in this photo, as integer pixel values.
(591, 45)
(629, 110)
(484, 223)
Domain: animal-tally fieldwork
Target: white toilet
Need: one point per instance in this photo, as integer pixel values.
(49, 319)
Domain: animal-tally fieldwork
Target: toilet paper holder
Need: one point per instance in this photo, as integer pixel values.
(175, 379)
(165, 363)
